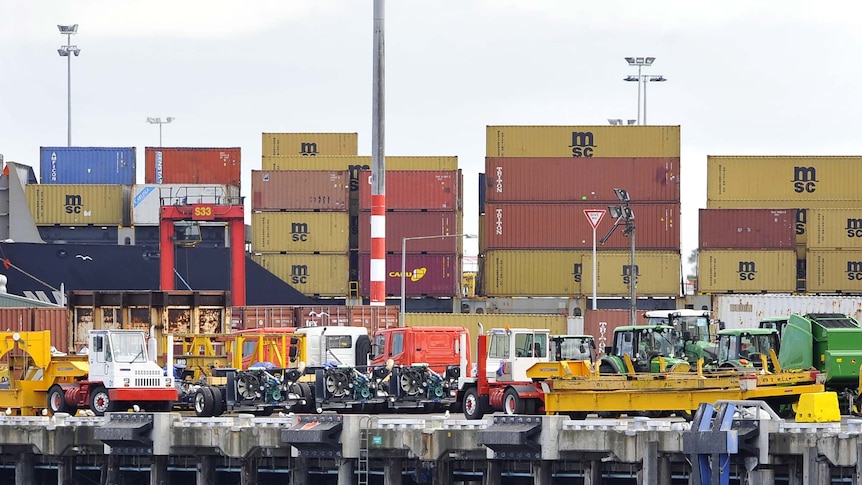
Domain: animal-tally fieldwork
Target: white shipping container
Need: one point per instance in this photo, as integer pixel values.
(746, 311)
(147, 199)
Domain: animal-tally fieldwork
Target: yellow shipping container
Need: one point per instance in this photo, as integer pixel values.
(582, 141)
(303, 232)
(555, 323)
(354, 164)
(309, 144)
(74, 205)
(799, 180)
(566, 273)
(746, 271)
(323, 275)
(830, 271)
(835, 228)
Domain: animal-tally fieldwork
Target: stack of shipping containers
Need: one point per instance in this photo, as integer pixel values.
(535, 237)
(301, 211)
(823, 194)
(84, 194)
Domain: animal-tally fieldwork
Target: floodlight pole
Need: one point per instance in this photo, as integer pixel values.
(627, 216)
(67, 51)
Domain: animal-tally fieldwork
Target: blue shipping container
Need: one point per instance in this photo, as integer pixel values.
(87, 165)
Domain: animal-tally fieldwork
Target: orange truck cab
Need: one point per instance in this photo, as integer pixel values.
(438, 347)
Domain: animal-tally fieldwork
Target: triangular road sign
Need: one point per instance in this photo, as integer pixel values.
(594, 216)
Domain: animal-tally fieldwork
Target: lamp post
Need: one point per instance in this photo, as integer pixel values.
(624, 215)
(645, 79)
(404, 264)
(158, 121)
(640, 62)
(67, 51)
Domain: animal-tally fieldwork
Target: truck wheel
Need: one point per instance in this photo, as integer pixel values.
(57, 400)
(218, 402)
(100, 401)
(577, 415)
(512, 403)
(204, 402)
(473, 404)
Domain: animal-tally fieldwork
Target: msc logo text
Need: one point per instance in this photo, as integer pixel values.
(308, 149)
(854, 270)
(583, 144)
(74, 204)
(628, 274)
(854, 227)
(747, 271)
(804, 179)
(298, 274)
(299, 231)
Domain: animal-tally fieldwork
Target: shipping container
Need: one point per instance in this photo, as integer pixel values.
(355, 164)
(747, 310)
(434, 275)
(56, 321)
(324, 275)
(482, 194)
(309, 190)
(798, 179)
(416, 190)
(72, 205)
(412, 224)
(602, 323)
(582, 141)
(322, 315)
(373, 317)
(835, 228)
(220, 166)
(87, 165)
(801, 213)
(565, 226)
(833, 271)
(309, 144)
(581, 180)
(746, 271)
(746, 229)
(148, 199)
(262, 316)
(513, 273)
(300, 232)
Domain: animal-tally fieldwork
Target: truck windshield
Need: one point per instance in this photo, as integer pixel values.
(128, 347)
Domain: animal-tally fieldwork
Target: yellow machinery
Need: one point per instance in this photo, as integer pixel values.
(30, 370)
(201, 353)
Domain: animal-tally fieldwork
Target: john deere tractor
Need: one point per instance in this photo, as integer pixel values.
(649, 348)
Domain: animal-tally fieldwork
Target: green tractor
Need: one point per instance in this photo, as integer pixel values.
(743, 349)
(572, 347)
(645, 347)
(695, 328)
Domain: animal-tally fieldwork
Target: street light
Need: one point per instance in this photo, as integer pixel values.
(158, 121)
(645, 79)
(624, 215)
(67, 51)
(640, 62)
(404, 264)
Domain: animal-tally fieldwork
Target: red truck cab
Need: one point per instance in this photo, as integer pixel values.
(438, 347)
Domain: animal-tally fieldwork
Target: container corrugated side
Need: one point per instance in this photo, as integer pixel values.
(323, 275)
(148, 199)
(747, 310)
(416, 190)
(309, 144)
(582, 141)
(222, 166)
(262, 316)
(601, 324)
(293, 190)
(564, 226)
(322, 315)
(411, 224)
(435, 275)
(799, 179)
(77, 204)
(801, 214)
(357, 163)
(581, 180)
(835, 228)
(833, 271)
(88, 165)
(513, 273)
(56, 321)
(301, 232)
(747, 229)
(746, 271)
(373, 317)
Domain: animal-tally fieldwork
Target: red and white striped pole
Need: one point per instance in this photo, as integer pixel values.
(378, 168)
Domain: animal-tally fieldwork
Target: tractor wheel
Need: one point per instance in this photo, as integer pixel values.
(512, 403)
(474, 407)
(204, 406)
(57, 401)
(100, 401)
(218, 401)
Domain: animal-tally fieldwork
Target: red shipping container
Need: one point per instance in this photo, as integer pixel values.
(400, 224)
(300, 190)
(581, 179)
(431, 190)
(437, 275)
(602, 323)
(747, 229)
(263, 316)
(319, 316)
(373, 317)
(56, 321)
(192, 166)
(564, 226)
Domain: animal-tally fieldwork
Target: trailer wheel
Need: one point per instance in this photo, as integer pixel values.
(474, 407)
(57, 400)
(204, 402)
(100, 401)
(577, 415)
(512, 403)
(218, 402)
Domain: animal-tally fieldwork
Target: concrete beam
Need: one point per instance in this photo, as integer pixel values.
(592, 472)
(25, 471)
(159, 470)
(392, 472)
(493, 474)
(542, 471)
(299, 473)
(205, 470)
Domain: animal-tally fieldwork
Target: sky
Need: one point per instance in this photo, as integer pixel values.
(744, 78)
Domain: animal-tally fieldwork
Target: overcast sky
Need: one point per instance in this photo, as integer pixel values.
(744, 78)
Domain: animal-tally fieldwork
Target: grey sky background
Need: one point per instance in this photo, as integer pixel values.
(744, 78)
